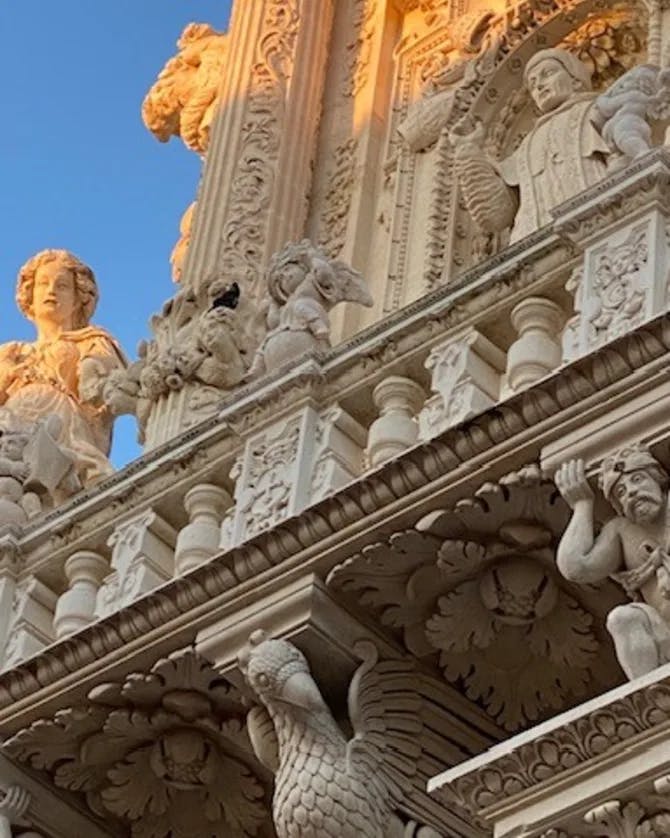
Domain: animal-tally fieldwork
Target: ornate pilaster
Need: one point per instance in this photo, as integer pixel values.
(258, 170)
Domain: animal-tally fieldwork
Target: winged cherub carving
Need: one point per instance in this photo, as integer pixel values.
(304, 284)
(328, 786)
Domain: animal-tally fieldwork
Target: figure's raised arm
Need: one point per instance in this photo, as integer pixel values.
(581, 556)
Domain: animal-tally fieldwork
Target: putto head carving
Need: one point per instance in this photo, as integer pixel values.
(634, 482)
(54, 266)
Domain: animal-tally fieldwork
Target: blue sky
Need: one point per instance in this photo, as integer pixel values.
(78, 169)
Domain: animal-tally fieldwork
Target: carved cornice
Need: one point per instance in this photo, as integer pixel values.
(420, 473)
(644, 184)
(604, 728)
(358, 362)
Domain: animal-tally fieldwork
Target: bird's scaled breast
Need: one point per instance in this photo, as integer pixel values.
(316, 798)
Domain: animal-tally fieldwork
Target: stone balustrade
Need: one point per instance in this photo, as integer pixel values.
(289, 439)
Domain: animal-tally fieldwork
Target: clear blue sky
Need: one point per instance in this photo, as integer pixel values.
(78, 169)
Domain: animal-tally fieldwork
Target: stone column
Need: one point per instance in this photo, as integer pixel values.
(259, 163)
(537, 351)
(199, 539)
(85, 571)
(398, 400)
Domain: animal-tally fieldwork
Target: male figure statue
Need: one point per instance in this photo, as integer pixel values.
(632, 548)
(562, 155)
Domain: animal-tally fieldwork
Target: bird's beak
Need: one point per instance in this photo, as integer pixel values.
(357, 292)
(301, 691)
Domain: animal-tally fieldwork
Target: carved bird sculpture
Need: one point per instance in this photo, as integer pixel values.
(328, 786)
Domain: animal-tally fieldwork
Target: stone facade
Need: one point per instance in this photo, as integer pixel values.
(398, 568)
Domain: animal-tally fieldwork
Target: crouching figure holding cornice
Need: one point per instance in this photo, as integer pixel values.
(632, 548)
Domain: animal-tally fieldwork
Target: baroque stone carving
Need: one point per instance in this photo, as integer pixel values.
(304, 285)
(13, 806)
(251, 189)
(624, 112)
(545, 171)
(164, 751)
(629, 820)
(591, 736)
(442, 73)
(203, 346)
(182, 101)
(632, 548)
(62, 373)
(465, 378)
(579, 384)
(324, 784)
(477, 583)
(142, 558)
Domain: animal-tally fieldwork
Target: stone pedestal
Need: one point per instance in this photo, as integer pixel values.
(199, 539)
(398, 400)
(85, 571)
(466, 380)
(537, 350)
(622, 227)
(142, 559)
(289, 465)
(31, 625)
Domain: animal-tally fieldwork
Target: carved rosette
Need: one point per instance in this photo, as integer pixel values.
(166, 752)
(478, 584)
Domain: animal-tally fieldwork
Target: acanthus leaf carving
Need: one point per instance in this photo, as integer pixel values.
(164, 751)
(492, 605)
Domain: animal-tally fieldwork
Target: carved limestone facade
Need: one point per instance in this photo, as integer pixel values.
(394, 560)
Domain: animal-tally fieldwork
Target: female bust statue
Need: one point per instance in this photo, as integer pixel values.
(64, 370)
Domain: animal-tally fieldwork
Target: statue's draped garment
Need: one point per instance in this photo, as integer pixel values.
(44, 379)
(561, 156)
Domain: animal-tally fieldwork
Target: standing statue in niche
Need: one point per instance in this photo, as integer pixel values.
(521, 190)
(632, 548)
(62, 373)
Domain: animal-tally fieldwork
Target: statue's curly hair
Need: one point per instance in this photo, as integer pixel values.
(86, 288)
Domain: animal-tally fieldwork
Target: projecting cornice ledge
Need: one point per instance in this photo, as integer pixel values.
(585, 766)
(411, 484)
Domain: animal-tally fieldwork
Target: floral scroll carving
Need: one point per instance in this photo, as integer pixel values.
(478, 584)
(251, 188)
(166, 752)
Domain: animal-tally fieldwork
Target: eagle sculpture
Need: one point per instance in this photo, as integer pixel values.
(331, 786)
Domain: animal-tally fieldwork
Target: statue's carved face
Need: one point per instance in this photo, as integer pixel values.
(639, 496)
(55, 295)
(549, 84)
